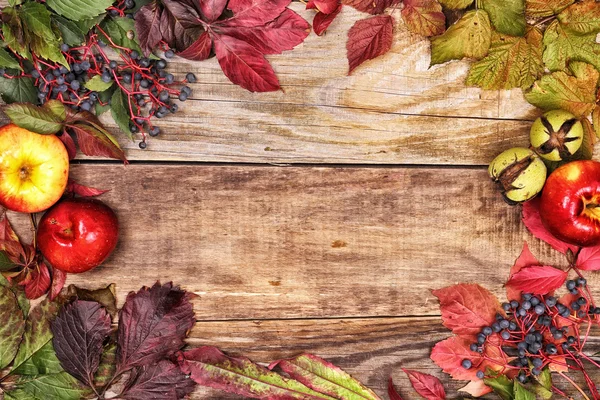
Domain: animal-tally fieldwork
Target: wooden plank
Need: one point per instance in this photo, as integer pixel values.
(274, 242)
(371, 349)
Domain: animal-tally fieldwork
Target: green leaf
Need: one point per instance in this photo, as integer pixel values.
(119, 110)
(39, 33)
(507, 16)
(456, 4)
(78, 10)
(19, 294)
(42, 362)
(102, 105)
(15, 2)
(33, 118)
(563, 45)
(18, 394)
(14, 35)
(121, 31)
(583, 17)
(7, 61)
(469, 37)
(512, 62)
(18, 90)
(545, 8)
(521, 393)
(70, 31)
(575, 93)
(60, 386)
(37, 332)
(87, 24)
(5, 263)
(12, 326)
(97, 84)
(57, 108)
(502, 386)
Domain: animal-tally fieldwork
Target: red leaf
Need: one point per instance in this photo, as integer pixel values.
(152, 325)
(199, 50)
(449, 355)
(538, 279)
(79, 331)
(69, 144)
(426, 385)
(467, 308)
(95, 142)
(39, 283)
(81, 190)
(256, 12)
(283, 33)
(58, 282)
(368, 39)
(424, 17)
(589, 259)
(212, 9)
(322, 21)
(371, 6)
(244, 65)
(324, 6)
(392, 392)
(526, 259)
(147, 27)
(533, 222)
(161, 381)
(9, 241)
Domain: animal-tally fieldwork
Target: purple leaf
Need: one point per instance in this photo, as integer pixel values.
(152, 325)
(79, 331)
(161, 381)
(147, 26)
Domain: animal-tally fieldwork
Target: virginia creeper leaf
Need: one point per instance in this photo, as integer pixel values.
(79, 331)
(470, 37)
(152, 325)
(212, 9)
(244, 65)
(582, 17)
(575, 93)
(588, 259)
(78, 10)
(521, 393)
(69, 144)
(12, 326)
(424, 17)
(526, 259)
(147, 26)
(324, 377)
(456, 4)
(563, 45)
(106, 296)
(119, 109)
(71, 32)
(33, 118)
(507, 16)
(324, 6)
(96, 142)
(467, 308)
(97, 84)
(426, 385)
(476, 388)
(538, 279)
(449, 355)
(75, 188)
(7, 61)
(119, 31)
(256, 12)
(545, 8)
(40, 282)
(373, 7)
(199, 50)
(57, 108)
(19, 294)
(18, 90)
(502, 386)
(39, 33)
(512, 62)
(368, 39)
(392, 392)
(208, 366)
(322, 21)
(161, 381)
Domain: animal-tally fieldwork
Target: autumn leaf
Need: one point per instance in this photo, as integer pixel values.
(469, 37)
(212, 9)
(369, 38)
(12, 326)
(152, 325)
(39, 282)
(392, 392)
(449, 355)
(75, 188)
(456, 4)
(428, 386)
(105, 296)
(525, 259)
(424, 17)
(58, 282)
(582, 17)
(323, 377)
(476, 388)
(324, 6)
(538, 279)
(533, 222)
(467, 308)
(147, 26)
(322, 21)
(200, 49)
(208, 366)
(79, 331)
(373, 7)
(96, 142)
(256, 12)
(69, 144)
(545, 8)
(161, 381)
(588, 259)
(512, 62)
(507, 16)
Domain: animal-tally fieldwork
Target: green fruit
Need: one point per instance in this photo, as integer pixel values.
(556, 135)
(520, 173)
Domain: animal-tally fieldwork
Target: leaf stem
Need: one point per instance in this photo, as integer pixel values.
(34, 229)
(574, 385)
(544, 21)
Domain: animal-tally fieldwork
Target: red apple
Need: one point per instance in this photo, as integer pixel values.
(77, 235)
(570, 203)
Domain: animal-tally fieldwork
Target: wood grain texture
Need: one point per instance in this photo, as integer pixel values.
(275, 242)
(393, 110)
(370, 349)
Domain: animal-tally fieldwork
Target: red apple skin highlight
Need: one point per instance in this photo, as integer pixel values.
(570, 203)
(77, 235)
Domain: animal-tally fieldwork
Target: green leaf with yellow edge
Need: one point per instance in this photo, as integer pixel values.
(521, 393)
(502, 386)
(12, 326)
(12, 29)
(545, 8)
(470, 36)
(39, 34)
(574, 92)
(60, 386)
(456, 4)
(324, 377)
(512, 62)
(42, 362)
(57, 108)
(33, 118)
(97, 84)
(507, 16)
(563, 45)
(582, 17)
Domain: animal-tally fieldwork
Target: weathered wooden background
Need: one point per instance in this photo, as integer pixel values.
(318, 218)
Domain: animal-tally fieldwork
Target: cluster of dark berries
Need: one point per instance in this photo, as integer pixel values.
(537, 328)
(121, 8)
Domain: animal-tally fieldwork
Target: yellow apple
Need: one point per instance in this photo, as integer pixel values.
(34, 169)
